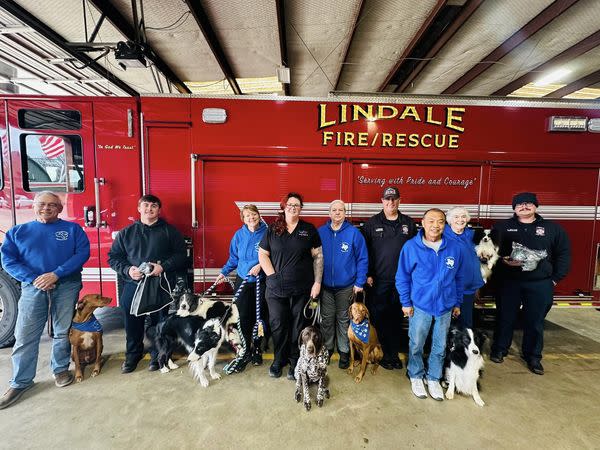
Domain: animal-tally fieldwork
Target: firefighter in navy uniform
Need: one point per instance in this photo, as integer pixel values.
(385, 234)
(533, 289)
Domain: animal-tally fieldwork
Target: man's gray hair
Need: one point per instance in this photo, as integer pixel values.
(337, 201)
(41, 193)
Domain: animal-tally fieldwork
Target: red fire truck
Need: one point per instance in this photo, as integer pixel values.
(207, 157)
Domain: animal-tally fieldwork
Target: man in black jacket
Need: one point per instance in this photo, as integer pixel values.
(150, 240)
(532, 288)
(385, 234)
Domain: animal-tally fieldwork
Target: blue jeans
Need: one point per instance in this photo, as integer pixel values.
(418, 329)
(31, 318)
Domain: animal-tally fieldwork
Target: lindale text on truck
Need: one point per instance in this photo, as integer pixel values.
(448, 119)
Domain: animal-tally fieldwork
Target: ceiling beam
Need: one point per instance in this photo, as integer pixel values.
(532, 27)
(466, 12)
(38, 26)
(412, 44)
(113, 15)
(355, 22)
(280, 7)
(588, 80)
(572, 52)
(213, 42)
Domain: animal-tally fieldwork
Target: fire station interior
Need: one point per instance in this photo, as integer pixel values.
(125, 67)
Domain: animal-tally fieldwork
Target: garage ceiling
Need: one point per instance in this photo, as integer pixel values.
(534, 48)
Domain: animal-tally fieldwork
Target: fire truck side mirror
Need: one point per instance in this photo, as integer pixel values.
(89, 215)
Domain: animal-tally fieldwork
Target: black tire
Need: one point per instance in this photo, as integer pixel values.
(10, 292)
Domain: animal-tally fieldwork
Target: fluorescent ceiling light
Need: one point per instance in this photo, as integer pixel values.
(552, 77)
(9, 29)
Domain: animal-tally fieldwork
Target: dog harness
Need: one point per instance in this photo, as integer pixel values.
(361, 330)
(92, 325)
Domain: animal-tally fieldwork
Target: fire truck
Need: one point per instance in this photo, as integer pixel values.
(207, 157)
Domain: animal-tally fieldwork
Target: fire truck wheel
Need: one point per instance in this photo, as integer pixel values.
(9, 296)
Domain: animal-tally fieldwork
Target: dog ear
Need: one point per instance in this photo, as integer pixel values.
(350, 311)
(479, 336)
(366, 311)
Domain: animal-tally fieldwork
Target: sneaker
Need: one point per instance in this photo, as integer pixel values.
(257, 358)
(497, 357)
(275, 370)
(291, 372)
(435, 390)
(344, 361)
(63, 378)
(535, 366)
(12, 395)
(387, 364)
(418, 388)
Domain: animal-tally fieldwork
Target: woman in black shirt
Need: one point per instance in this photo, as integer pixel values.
(292, 258)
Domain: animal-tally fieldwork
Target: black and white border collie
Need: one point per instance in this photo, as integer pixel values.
(464, 362)
(488, 255)
(204, 354)
(172, 334)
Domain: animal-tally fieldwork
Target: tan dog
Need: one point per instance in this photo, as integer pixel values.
(370, 351)
(85, 335)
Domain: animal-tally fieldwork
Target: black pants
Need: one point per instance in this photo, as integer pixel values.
(386, 315)
(246, 304)
(536, 298)
(135, 326)
(287, 320)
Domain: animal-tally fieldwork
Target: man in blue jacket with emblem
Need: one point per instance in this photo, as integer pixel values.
(430, 285)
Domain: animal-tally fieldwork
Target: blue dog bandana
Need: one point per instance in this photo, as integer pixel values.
(361, 330)
(92, 325)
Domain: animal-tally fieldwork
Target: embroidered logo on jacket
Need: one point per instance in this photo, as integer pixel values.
(540, 231)
(404, 229)
(450, 262)
(511, 229)
(303, 233)
(345, 247)
(61, 235)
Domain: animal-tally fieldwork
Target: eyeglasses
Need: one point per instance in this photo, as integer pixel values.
(520, 205)
(293, 205)
(44, 205)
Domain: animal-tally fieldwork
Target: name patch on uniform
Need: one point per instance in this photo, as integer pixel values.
(378, 230)
(345, 247)
(511, 229)
(303, 233)
(450, 262)
(61, 235)
(404, 229)
(540, 231)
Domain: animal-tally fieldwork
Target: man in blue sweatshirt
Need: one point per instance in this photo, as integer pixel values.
(46, 255)
(430, 285)
(346, 261)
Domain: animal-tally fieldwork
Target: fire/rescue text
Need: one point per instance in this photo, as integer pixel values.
(397, 140)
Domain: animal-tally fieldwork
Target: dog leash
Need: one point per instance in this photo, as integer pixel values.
(236, 365)
(259, 326)
(312, 310)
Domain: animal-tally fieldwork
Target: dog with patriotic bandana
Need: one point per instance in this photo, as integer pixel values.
(363, 341)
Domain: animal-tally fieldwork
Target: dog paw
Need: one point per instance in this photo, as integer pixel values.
(449, 395)
(95, 373)
(215, 376)
(319, 402)
(350, 370)
(307, 405)
(172, 365)
(298, 396)
(358, 379)
(327, 393)
(79, 379)
(203, 382)
(164, 369)
(479, 402)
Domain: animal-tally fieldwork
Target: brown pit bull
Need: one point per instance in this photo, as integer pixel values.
(85, 335)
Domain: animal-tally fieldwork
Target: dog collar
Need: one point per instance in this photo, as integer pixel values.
(92, 325)
(361, 330)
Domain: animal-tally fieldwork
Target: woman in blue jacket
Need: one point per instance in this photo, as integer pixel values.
(456, 228)
(346, 261)
(243, 257)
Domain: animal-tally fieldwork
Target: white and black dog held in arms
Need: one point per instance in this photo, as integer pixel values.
(464, 362)
(207, 344)
(311, 366)
(488, 255)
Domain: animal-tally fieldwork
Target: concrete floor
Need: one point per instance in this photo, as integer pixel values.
(250, 410)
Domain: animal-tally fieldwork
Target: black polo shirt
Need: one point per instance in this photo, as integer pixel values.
(292, 259)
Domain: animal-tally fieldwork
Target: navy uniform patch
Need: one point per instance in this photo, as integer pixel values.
(540, 231)
(404, 229)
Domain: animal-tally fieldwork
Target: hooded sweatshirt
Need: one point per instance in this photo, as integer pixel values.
(471, 266)
(345, 256)
(430, 281)
(243, 251)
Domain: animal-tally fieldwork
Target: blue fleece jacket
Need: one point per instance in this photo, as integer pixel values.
(243, 251)
(34, 248)
(430, 281)
(470, 264)
(345, 256)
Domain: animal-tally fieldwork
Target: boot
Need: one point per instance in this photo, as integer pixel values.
(344, 362)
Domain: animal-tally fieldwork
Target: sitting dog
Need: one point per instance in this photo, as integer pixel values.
(171, 334)
(488, 255)
(311, 366)
(85, 335)
(363, 340)
(204, 354)
(464, 362)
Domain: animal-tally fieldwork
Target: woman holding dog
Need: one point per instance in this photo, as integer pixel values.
(292, 258)
(243, 257)
(456, 229)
